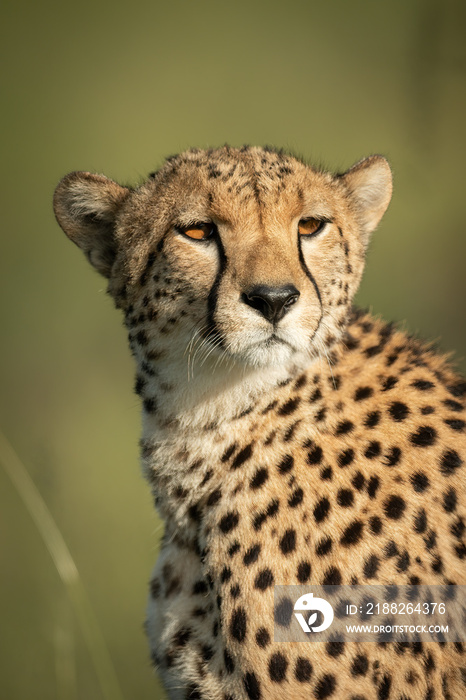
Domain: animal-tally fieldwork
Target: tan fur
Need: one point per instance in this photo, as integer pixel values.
(254, 429)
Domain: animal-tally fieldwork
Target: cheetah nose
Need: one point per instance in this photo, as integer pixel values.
(272, 302)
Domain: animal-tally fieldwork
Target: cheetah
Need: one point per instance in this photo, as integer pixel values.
(288, 437)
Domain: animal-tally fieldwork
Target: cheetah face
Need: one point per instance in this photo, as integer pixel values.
(245, 255)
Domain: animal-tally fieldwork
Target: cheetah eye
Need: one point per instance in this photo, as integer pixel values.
(199, 232)
(310, 227)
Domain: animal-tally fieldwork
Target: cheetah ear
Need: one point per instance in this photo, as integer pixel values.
(86, 207)
(369, 183)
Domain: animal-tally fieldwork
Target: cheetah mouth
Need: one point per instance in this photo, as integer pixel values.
(266, 352)
(273, 340)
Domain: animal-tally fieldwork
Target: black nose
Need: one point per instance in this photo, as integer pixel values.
(272, 302)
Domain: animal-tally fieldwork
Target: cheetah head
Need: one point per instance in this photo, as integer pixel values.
(247, 255)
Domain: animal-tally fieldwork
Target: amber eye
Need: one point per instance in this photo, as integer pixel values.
(199, 232)
(309, 227)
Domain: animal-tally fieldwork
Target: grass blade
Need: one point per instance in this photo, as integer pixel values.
(66, 567)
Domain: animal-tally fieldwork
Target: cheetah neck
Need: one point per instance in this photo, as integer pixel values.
(210, 394)
(184, 440)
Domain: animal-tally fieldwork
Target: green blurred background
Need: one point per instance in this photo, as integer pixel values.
(115, 87)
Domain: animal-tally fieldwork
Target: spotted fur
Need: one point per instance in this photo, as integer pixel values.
(316, 446)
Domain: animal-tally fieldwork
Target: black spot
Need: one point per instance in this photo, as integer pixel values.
(358, 481)
(288, 542)
(315, 455)
(389, 383)
(419, 481)
(324, 546)
(320, 415)
(332, 577)
(235, 591)
(371, 566)
(453, 405)
(449, 500)
(326, 474)
(228, 452)
(450, 461)
(392, 457)
(252, 554)
(394, 507)
(403, 562)
(427, 410)
(429, 663)
(278, 665)
(363, 392)
(272, 509)
(252, 686)
(181, 638)
(391, 550)
(383, 691)
(304, 571)
(374, 350)
(286, 464)
(360, 665)
(334, 648)
(398, 411)
(300, 382)
(214, 497)
(344, 427)
(303, 670)
(345, 457)
(455, 424)
(262, 637)
(424, 436)
(420, 521)
(150, 405)
(259, 478)
(235, 547)
(375, 525)
(283, 612)
(238, 624)
(373, 486)
(325, 687)
(458, 528)
(372, 419)
(229, 521)
(226, 574)
(139, 384)
(193, 693)
(229, 663)
(321, 509)
(289, 407)
(194, 513)
(316, 396)
(200, 588)
(296, 498)
(264, 579)
(206, 652)
(351, 342)
(422, 384)
(345, 498)
(352, 534)
(372, 450)
(142, 338)
(242, 456)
